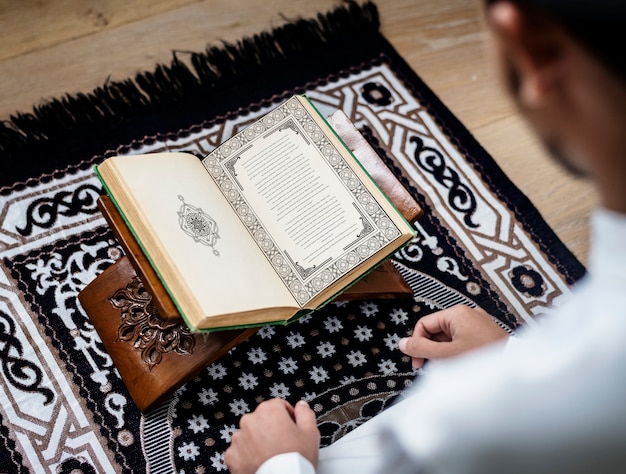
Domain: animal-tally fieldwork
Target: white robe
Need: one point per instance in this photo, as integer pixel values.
(553, 400)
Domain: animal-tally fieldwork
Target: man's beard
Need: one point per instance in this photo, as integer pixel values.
(551, 144)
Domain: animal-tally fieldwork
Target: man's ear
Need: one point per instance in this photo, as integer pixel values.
(533, 46)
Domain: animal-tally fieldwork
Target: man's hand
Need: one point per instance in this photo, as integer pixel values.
(450, 332)
(275, 427)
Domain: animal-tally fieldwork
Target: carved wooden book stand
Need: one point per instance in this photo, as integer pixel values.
(152, 348)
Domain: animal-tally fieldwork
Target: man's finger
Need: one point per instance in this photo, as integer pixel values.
(441, 321)
(428, 325)
(424, 348)
(304, 416)
(417, 362)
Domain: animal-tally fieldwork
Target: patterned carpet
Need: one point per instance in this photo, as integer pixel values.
(64, 406)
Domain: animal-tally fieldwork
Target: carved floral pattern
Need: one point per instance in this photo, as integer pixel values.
(142, 326)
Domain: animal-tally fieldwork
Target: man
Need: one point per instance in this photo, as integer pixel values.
(552, 399)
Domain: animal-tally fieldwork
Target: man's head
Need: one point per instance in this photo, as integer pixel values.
(565, 68)
(597, 24)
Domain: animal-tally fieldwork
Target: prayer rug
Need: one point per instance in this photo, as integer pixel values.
(64, 406)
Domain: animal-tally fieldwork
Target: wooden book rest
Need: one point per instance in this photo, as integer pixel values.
(141, 329)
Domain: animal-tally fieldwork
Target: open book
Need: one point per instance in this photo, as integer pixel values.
(272, 224)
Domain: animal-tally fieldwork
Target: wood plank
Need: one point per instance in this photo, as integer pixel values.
(29, 26)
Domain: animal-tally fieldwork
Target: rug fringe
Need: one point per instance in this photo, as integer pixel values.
(167, 84)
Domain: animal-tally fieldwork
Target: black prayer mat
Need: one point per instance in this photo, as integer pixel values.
(480, 242)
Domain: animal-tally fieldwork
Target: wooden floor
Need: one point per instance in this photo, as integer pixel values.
(52, 47)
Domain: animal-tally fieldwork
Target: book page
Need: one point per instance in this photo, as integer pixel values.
(203, 253)
(307, 209)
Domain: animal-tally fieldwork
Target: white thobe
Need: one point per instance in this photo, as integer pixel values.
(552, 401)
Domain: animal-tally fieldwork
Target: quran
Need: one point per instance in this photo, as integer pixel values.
(270, 225)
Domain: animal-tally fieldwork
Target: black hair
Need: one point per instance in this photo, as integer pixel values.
(598, 25)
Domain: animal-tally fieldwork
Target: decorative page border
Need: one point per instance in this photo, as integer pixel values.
(303, 283)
